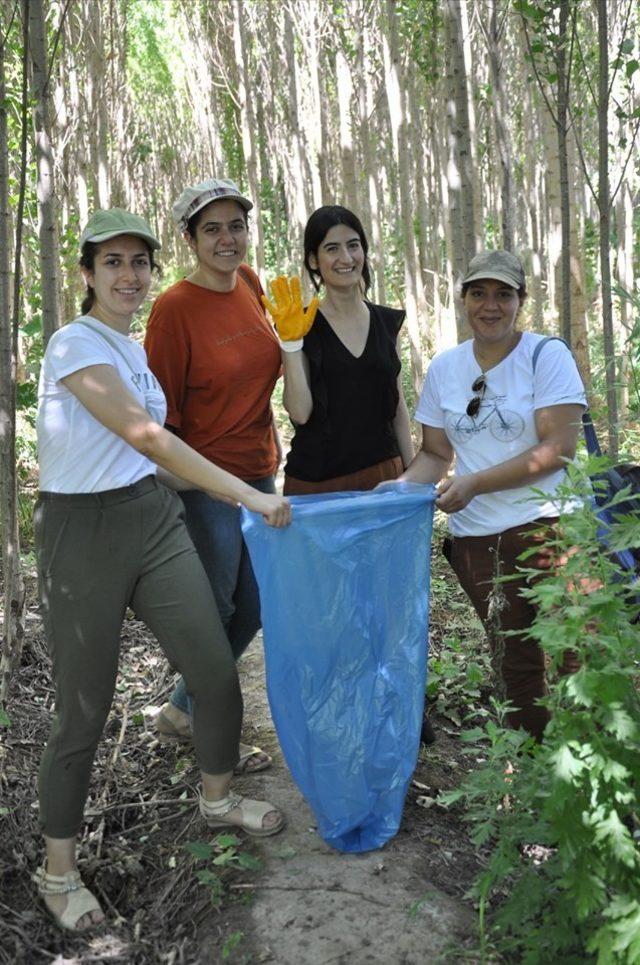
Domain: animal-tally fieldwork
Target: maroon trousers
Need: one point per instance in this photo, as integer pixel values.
(518, 662)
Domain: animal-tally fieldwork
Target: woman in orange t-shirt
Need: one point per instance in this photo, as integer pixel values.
(217, 358)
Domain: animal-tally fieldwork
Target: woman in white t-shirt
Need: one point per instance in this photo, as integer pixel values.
(509, 428)
(109, 536)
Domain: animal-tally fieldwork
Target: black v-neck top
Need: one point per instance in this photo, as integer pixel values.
(354, 400)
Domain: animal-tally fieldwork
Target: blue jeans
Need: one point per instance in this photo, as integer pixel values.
(215, 530)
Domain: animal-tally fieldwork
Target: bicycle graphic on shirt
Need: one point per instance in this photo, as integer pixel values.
(503, 424)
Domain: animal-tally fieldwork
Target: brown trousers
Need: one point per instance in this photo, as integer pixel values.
(518, 662)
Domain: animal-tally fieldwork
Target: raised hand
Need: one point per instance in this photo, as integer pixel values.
(291, 319)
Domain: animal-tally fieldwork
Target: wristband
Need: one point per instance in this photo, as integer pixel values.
(294, 345)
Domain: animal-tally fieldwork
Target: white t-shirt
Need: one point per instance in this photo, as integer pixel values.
(77, 454)
(504, 426)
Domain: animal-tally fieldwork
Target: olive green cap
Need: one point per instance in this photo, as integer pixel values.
(103, 225)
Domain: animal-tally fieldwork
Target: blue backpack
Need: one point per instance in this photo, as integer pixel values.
(621, 479)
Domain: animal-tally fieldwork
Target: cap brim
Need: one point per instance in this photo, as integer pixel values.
(243, 202)
(107, 235)
(506, 279)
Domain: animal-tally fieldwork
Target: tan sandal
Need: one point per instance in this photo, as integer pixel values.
(248, 753)
(253, 814)
(170, 732)
(80, 901)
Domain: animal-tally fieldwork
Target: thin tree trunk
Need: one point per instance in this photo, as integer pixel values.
(347, 150)
(248, 125)
(395, 98)
(553, 213)
(625, 278)
(97, 76)
(579, 335)
(47, 224)
(565, 214)
(14, 592)
(373, 185)
(293, 161)
(471, 169)
(604, 206)
(500, 113)
(459, 176)
(316, 134)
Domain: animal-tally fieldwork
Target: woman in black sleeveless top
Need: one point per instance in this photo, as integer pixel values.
(342, 388)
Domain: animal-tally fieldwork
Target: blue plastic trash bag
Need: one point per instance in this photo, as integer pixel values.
(344, 593)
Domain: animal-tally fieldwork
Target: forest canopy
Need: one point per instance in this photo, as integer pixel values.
(446, 124)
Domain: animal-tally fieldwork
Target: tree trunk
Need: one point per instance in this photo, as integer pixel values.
(625, 279)
(47, 224)
(248, 124)
(459, 176)
(319, 185)
(373, 186)
(500, 113)
(347, 150)
(565, 213)
(14, 592)
(98, 79)
(579, 334)
(293, 166)
(604, 208)
(395, 98)
(553, 214)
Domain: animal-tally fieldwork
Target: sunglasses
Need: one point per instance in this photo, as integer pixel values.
(479, 386)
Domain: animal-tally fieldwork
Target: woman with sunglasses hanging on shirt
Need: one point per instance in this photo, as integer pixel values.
(509, 429)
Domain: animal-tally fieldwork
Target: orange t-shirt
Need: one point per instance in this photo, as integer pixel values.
(217, 359)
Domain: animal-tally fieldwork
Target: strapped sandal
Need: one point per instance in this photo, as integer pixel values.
(253, 814)
(247, 752)
(80, 901)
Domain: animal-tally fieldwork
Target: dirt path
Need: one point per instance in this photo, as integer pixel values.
(311, 905)
(307, 905)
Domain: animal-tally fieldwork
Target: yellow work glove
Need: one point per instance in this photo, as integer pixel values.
(291, 319)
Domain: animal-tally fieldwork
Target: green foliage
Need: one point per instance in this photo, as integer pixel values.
(559, 817)
(454, 680)
(150, 41)
(220, 854)
(231, 943)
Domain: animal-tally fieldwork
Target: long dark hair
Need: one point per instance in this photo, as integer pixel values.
(320, 222)
(88, 260)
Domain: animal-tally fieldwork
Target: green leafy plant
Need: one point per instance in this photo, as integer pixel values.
(559, 817)
(231, 943)
(223, 852)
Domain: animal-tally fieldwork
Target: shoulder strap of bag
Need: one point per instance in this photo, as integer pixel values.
(590, 435)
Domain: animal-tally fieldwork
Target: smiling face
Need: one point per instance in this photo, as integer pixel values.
(120, 279)
(221, 238)
(492, 308)
(340, 258)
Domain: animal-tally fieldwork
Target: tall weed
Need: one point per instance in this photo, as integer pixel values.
(560, 817)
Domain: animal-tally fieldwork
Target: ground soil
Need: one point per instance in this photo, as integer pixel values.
(300, 902)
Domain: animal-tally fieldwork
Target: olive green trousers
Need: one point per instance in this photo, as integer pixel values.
(99, 553)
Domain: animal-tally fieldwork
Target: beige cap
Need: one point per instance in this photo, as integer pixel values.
(501, 265)
(195, 198)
